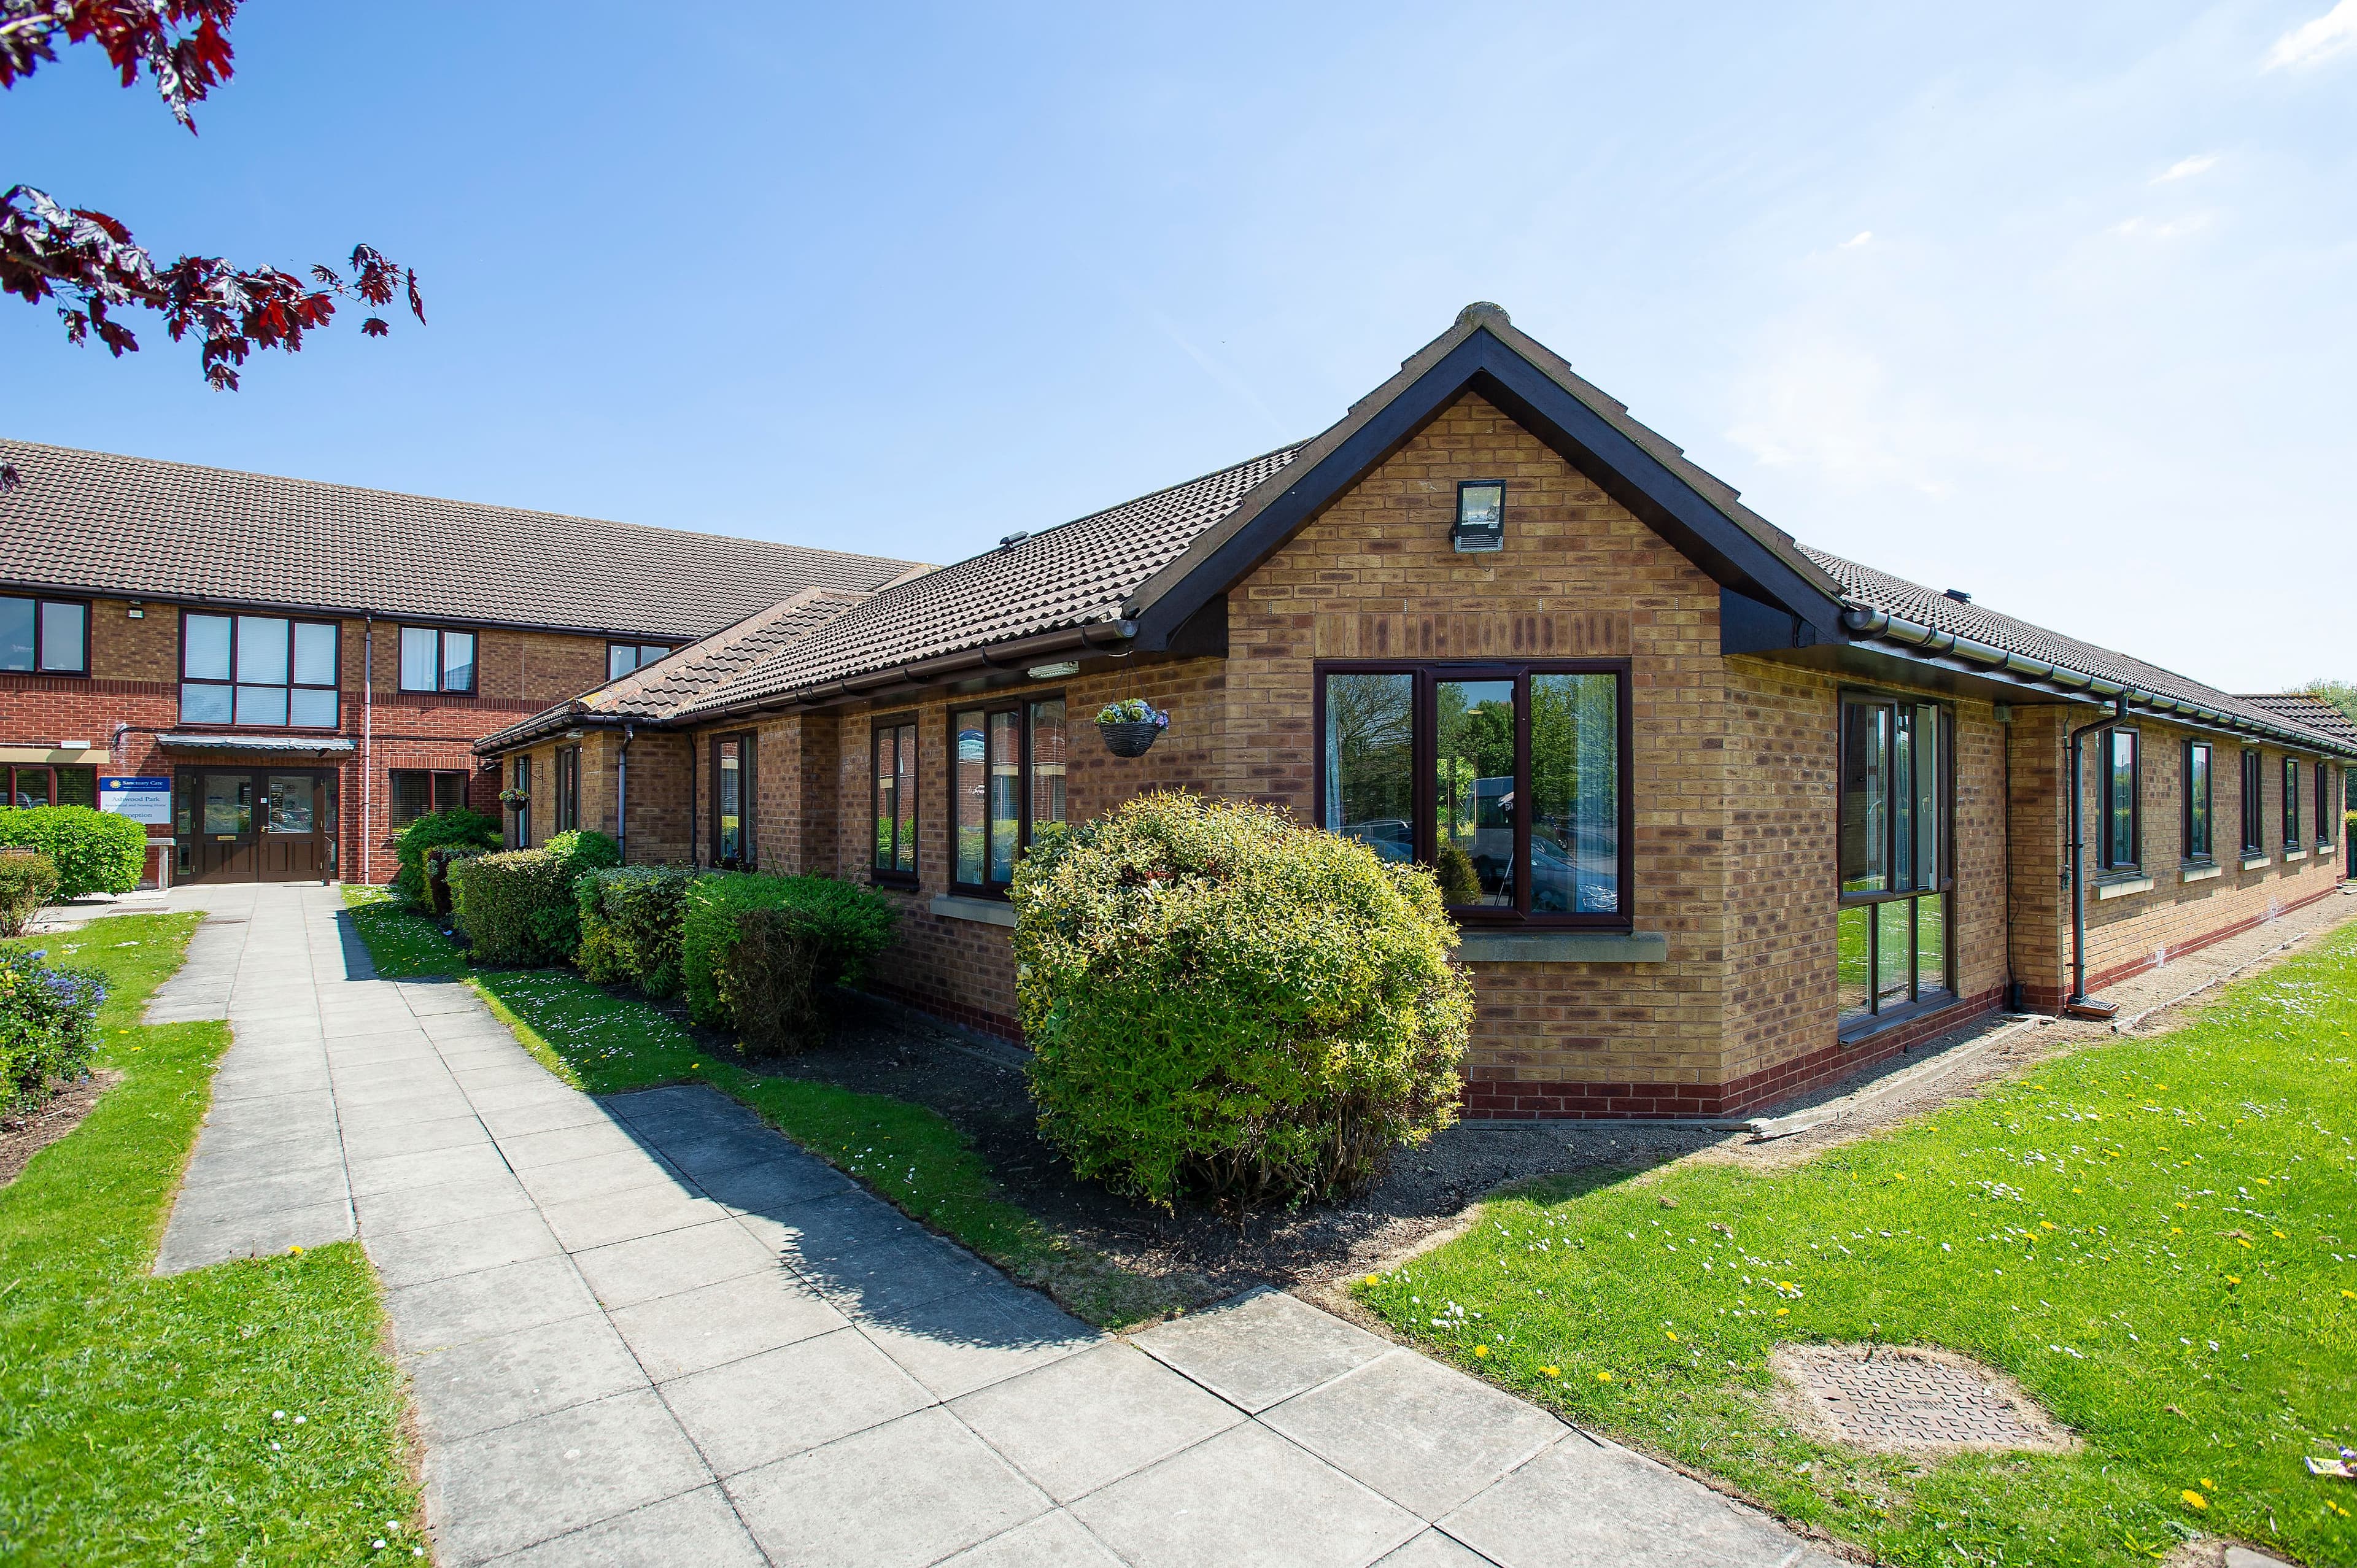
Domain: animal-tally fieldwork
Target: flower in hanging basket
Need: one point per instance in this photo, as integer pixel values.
(515, 798)
(1131, 726)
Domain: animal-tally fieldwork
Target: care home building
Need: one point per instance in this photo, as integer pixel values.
(1725, 816)
(276, 676)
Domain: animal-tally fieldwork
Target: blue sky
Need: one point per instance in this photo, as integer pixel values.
(2054, 303)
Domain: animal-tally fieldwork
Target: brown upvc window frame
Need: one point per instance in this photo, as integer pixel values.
(1860, 911)
(522, 779)
(231, 684)
(2324, 811)
(2291, 839)
(1023, 705)
(2203, 825)
(1424, 765)
(440, 634)
(569, 788)
(2254, 819)
(886, 848)
(13, 777)
(41, 604)
(749, 795)
(439, 783)
(2106, 778)
(641, 655)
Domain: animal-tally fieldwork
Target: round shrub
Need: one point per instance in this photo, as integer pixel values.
(29, 879)
(631, 921)
(1222, 1003)
(434, 831)
(49, 1026)
(585, 849)
(851, 922)
(516, 908)
(94, 850)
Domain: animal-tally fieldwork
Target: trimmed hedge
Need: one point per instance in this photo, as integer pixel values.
(516, 908)
(852, 924)
(631, 917)
(584, 850)
(94, 850)
(438, 863)
(29, 879)
(1222, 1001)
(770, 979)
(434, 831)
(49, 1026)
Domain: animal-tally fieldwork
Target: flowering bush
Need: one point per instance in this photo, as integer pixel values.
(1134, 711)
(49, 1026)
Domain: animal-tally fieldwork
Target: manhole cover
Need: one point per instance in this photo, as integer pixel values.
(1899, 1398)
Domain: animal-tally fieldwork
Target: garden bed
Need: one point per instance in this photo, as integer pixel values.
(28, 1132)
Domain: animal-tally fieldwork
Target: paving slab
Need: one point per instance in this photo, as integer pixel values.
(1051, 1541)
(1588, 1504)
(485, 1384)
(698, 1527)
(694, 1330)
(799, 1396)
(1434, 1549)
(629, 1272)
(1088, 1419)
(519, 1485)
(1261, 1347)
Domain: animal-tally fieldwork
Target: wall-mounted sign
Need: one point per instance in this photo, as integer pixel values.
(147, 801)
(1481, 515)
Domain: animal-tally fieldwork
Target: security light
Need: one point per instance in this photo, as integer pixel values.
(1481, 515)
(1053, 672)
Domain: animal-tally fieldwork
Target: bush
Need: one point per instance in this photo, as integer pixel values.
(49, 1026)
(516, 908)
(770, 979)
(439, 860)
(1224, 1002)
(29, 879)
(852, 924)
(632, 919)
(433, 831)
(94, 850)
(585, 849)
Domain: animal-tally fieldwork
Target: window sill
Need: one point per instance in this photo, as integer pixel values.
(2295, 855)
(1563, 947)
(2203, 873)
(883, 883)
(982, 911)
(2254, 862)
(1910, 1012)
(2123, 886)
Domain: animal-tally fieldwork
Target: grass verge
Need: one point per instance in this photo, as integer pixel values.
(607, 1043)
(140, 1417)
(2157, 1238)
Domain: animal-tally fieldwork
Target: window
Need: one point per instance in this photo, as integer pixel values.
(2119, 830)
(569, 788)
(895, 757)
(258, 670)
(1898, 875)
(1008, 780)
(45, 637)
(2253, 827)
(2324, 811)
(735, 803)
(2291, 804)
(622, 658)
(2197, 801)
(418, 790)
(433, 660)
(521, 780)
(40, 785)
(1509, 780)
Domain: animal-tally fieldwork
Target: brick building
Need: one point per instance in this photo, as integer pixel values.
(1726, 816)
(301, 668)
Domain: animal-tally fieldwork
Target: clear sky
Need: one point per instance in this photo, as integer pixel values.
(2055, 304)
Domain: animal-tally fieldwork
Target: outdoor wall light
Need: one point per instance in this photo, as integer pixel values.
(1481, 515)
(1053, 672)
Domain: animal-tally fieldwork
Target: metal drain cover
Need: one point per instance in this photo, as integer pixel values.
(1904, 1399)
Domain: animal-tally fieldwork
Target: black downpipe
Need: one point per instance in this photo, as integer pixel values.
(2118, 715)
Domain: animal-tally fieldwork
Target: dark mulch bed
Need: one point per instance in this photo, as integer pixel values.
(978, 1087)
(25, 1133)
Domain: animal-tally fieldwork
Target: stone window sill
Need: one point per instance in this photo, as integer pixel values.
(1563, 947)
(2123, 887)
(2254, 862)
(2295, 855)
(982, 911)
(2199, 873)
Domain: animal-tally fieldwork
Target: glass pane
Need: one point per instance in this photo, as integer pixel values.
(261, 704)
(421, 657)
(887, 806)
(1005, 795)
(1866, 797)
(315, 710)
(622, 658)
(315, 654)
(76, 786)
(31, 787)
(1473, 791)
(290, 804)
(971, 795)
(204, 704)
(1370, 762)
(651, 653)
(1854, 962)
(2291, 804)
(904, 793)
(62, 626)
(2119, 811)
(1048, 740)
(1927, 769)
(229, 803)
(1931, 944)
(261, 651)
(449, 791)
(329, 821)
(1894, 959)
(15, 634)
(204, 653)
(457, 660)
(731, 798)
(1902, 798)
(1575, 794)
(411, 798)
(2197, 802)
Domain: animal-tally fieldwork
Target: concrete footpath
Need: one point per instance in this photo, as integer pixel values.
(648, 1329)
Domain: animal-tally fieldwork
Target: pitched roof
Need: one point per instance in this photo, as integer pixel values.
(2308, 709)
(142, 528)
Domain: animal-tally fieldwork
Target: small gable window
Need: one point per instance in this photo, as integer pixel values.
(622, 658)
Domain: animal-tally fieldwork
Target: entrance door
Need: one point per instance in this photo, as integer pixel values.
(298, 816)
(217, 828)
(256, 827)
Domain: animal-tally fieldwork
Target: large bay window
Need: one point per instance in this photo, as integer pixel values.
(1007, 781)
(262, 671)
(1512, 781)
(1894, 932)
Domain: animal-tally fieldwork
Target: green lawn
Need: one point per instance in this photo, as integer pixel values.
(140, 1419)
(2157, 1237)
(606, 1042)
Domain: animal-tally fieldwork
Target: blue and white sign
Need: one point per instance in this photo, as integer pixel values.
(147, 801)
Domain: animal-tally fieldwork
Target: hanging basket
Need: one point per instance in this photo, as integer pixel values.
(1130, 739)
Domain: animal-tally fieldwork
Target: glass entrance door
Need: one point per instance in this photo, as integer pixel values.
(236, 826)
